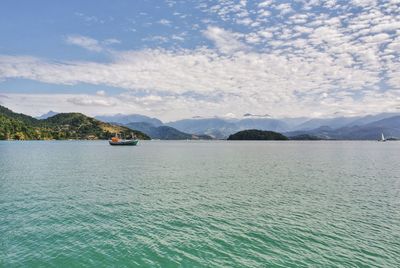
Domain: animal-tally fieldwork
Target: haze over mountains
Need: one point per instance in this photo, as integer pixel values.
(153, 127)
(131, 118)
(367, 127)
(356, 131)
(54, 125)
(164, 132)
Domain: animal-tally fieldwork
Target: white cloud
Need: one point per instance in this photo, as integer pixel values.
(230, 115)
(284, 8)
(156, 38)
(100, 93)
(378, 38)
(386, 26)
(89, 43)
(111, 41)
(244, 21)
(265, 3)
(164, 22)
(364, 3)
(264, 13)
(38, 104)
(265, 34)
(86, 100)
(84, 42)
(225, 41)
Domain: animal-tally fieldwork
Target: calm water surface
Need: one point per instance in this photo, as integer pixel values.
(196, 204)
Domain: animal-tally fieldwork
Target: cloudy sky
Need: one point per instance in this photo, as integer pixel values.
(179, 59)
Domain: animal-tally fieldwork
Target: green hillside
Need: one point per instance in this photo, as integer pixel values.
(16, 129)
(20, 117)
(61, 126)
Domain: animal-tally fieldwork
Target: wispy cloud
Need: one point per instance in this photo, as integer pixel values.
(91, 101)
(89, 43)
(84, 42)
(165, 22)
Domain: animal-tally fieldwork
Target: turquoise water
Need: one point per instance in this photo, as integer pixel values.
(196, 204)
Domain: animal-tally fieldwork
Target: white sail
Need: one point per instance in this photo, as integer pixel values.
(383, 137)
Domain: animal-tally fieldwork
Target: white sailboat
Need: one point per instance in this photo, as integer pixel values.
(382, 138)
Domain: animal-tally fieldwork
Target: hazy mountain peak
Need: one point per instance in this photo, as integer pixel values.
(47, 115)
(257, 115)
(129, 118)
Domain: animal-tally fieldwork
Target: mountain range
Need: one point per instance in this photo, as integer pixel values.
(53, 125)
(367, 127)
(152, 127)
(164, 132)
(356, 131)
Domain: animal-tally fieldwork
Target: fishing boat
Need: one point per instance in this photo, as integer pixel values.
(117, 140)
(382, 138)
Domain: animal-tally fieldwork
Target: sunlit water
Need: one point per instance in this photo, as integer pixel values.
(191, 204)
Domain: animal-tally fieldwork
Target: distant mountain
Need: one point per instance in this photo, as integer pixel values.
(164, 132)
(255, 134)
(339, 122)
(336, 122)
(47, 115)
(214, 127)
(131, 118)
(324, 133)
(292, 123)
(390, 127)
(61, 126)
(262, 124)
(371, 118)
(221, 128)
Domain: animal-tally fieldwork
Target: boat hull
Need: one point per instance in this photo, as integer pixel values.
(124, 142)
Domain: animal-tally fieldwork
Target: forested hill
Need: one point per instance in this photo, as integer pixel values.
(61, 126)
(255, 134)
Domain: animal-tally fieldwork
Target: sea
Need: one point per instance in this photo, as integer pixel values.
(200, 204)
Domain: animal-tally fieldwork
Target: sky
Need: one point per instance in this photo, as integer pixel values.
(182, 59)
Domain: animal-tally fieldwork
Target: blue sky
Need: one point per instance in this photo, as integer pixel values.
(179, 59)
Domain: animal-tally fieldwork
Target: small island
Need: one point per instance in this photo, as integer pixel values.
(255, 134)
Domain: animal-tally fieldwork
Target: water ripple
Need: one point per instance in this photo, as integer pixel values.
(199, 204)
